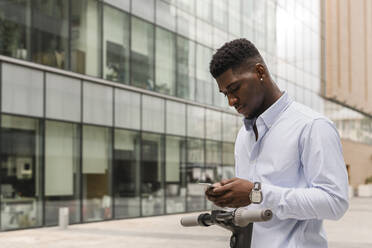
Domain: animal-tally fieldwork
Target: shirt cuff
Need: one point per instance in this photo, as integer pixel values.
(271, 196)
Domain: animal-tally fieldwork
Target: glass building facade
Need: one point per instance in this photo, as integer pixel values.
(108, 107)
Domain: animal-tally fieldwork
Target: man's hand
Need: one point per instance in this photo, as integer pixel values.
(232, 193)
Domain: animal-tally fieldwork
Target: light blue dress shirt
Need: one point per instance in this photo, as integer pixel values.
(298, 160)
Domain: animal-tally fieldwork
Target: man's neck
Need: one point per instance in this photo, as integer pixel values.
(271, 96)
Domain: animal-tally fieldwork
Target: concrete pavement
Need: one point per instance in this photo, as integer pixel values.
(354, 230)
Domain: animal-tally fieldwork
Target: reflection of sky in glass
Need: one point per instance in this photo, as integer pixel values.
(350, 124)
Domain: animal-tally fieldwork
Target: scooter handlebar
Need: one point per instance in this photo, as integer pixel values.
(190, 221)
(243, 216)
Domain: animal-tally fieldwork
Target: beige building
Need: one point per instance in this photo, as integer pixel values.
(349, 78)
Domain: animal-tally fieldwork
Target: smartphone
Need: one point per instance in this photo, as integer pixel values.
(208, 185)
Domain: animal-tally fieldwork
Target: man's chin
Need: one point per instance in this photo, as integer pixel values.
(245, 113)
(248, 115)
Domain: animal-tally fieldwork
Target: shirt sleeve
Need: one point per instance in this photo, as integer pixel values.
(326, 196)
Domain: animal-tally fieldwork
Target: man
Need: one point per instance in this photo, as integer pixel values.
(288, 158)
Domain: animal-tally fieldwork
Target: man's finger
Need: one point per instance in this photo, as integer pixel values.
(227, 181)
(216, 185)
(224, 188)
(226, 198)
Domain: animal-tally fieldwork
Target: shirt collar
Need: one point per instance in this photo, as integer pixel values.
(271, 114)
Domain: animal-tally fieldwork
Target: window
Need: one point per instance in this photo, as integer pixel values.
(213, 125)
(116, 45)
(219, 38)
(153, 114)
(22, 90)
(213, 163)
(121, 4)
(204, 79)
(195, 121)
(204, 32)
(49, 45)
(186, 24)
(195, 172)
(127, 109)
(203, 9)
(165, 62)
(62, 170)
(144, 9)
(85, 37)
(175, 176)
(165, 15)
(176, 118)
(152, 174)
(126, 173)
(142, 54)
(187, 5)
(96, 174)
(185, 68)
(228, 161)
(14, 40)
(228, 127)
(63, 97)
(20, 165)
(97, 104)
(234, 17)
(220, 9)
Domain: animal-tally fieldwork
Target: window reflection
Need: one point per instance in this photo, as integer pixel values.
(14, 20)
(203, 9)
(61, 180)
(175, 118)
(213, 124)
(204, 32)
(204, 79)
(85, 37)
(165, 15)
(195, 173)
(126, 173)
(144, 9)
(213, 163)
(187, 5)
(185, 68)
(49, 45)
(220, 9)
(234, 17)
(96, 173)
(175, 174)
(116, 45)
(228, 161)
(142, 54)
(165, 62)
(152, 169)
(21, 153)
(186, 24)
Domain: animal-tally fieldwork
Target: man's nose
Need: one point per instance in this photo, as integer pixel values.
(233, 100)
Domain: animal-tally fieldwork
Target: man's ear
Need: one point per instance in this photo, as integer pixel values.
(260, 71)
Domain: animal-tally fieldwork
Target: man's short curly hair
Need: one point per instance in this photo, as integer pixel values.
(233, 55)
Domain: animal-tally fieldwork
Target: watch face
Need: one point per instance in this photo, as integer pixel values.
(256, 197)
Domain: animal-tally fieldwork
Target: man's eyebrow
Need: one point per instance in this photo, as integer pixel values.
(233, 83)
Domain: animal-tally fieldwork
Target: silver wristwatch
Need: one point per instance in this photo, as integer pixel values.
(256, 194)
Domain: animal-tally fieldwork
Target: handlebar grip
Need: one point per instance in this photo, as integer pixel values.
(243, 216)
(190, 221)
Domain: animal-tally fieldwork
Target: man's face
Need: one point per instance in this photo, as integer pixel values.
(244, 91)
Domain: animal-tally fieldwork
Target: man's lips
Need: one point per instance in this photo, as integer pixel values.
(240, 108)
